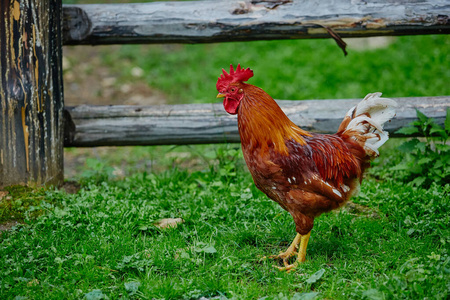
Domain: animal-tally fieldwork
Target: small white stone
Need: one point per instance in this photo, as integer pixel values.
(137, 72)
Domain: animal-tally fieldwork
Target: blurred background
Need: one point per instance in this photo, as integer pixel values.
(286, 69)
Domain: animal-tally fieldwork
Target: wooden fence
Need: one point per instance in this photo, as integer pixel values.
(35, 125)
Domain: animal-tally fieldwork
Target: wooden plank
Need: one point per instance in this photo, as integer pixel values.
(31, 95)
(209, 123)
(237, 20)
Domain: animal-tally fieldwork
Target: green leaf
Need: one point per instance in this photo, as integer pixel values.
(421, 116)
(416, 123)
(205, 248)
(447, 120)
(408, 146)
(417, 274)
(418, 181)
(316, 276)
(421, 146)
(373, 294)
(408, 130)
(401, 166)
(132, 286)
(209, 249)
(424, 160)
(437, 129)
(438, 164)
(305, 296)
(416, 169)
(95, 295)
(410, 231)
(442, 147)
(143, 227)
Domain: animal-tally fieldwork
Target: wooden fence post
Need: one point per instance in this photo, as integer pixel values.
(31, 93)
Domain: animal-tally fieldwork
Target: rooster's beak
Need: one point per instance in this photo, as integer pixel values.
(220, 95)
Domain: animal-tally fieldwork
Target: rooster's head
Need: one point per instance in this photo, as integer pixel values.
(230, 87)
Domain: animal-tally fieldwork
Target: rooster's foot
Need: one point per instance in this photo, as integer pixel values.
(284, 256)
(288, 268)
(291, 251)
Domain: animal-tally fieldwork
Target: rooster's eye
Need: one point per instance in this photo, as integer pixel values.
(233, 90)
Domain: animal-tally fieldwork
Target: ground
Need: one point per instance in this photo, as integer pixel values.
(88, 80)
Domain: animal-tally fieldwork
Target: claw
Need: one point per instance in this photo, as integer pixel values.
(291, 251)
(283, 255)
(287, 267)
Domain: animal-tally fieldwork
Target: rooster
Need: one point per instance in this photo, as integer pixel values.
(306, 173)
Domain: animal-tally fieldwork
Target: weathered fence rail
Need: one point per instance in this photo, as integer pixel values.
(224, 21)
(209, 123)
(31, 99)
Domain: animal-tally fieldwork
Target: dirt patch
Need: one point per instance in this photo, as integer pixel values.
(3, 194)
(89, 80)
(8, 225)
(71, 187)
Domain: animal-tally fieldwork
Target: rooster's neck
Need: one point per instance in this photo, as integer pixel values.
(263, 124)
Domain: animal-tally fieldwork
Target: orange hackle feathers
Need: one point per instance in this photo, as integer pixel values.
(263, 124)
(266, 125)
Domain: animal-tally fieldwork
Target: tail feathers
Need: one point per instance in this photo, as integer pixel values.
(364, 122)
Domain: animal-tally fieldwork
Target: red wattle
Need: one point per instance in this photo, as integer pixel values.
(231, 105)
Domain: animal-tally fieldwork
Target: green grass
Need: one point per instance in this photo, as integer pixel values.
(292, 69)
(102, 242)
(19, 202)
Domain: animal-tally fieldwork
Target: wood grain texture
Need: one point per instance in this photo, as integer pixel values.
(237, 20)
(31, 95)
(209, 123)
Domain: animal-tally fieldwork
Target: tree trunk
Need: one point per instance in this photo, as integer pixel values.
(31, 93)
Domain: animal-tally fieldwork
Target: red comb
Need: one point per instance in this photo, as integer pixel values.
(235, 76)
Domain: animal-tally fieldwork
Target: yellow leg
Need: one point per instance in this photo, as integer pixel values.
(291, 251)
(301, 253)
(303, 244)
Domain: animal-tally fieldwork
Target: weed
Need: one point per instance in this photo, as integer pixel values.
(427, 160)
(23, 203)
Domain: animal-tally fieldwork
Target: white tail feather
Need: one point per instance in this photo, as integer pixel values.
(367, 120)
